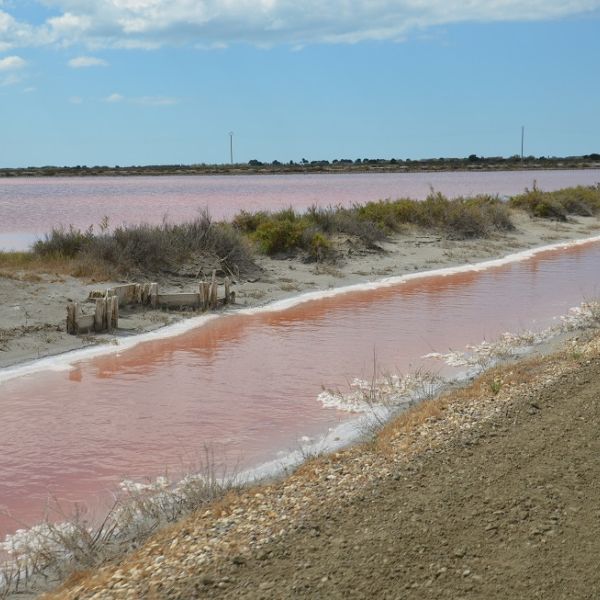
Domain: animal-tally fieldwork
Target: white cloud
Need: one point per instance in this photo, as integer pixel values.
(83, 62)
(113, 98)
(210, 23)
(75, 100)
(12, 63)
(14, 33)
(143, 100)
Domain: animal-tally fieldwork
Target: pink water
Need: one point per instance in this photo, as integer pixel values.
(30, 207)
(248, 384)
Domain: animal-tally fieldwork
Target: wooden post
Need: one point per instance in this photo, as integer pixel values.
(114, 316)
(106, 314)
(204, 291)
(71, 318)
(153, 294)
(213, 290)
(145, 288)
(109, 312)
(99, 315)
(138, 293)
(227, 289)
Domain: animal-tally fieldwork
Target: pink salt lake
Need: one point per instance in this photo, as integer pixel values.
(247, 384)
(29, 207)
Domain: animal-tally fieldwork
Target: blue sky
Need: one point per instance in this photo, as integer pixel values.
(164, 81)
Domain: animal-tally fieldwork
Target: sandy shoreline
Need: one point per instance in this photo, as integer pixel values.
(33, 306)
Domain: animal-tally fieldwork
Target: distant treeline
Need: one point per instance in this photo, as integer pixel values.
(343, 165)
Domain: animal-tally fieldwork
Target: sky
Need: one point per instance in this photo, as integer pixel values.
(128, 82)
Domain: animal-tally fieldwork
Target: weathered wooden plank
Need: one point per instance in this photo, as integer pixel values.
(180, 300)
(126, 293)
(85, 323)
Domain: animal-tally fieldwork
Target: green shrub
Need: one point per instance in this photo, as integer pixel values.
(320, 246)
(558, 205)
(276, 236)
(248, 222)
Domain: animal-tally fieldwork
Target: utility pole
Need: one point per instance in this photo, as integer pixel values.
(522, 140)
(231, 146)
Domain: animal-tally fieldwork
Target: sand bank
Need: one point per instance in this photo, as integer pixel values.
(33, 306)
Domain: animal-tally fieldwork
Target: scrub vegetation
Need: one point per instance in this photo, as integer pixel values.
(583, 201)
(316, 234)
(312, 231)
(150, 248)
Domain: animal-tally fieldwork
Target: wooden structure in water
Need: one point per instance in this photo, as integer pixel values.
(105, 318)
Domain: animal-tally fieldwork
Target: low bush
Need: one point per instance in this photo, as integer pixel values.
(287, 231)
(558, 205)
(65, 243)
(459, 218)
(152, 248)
(276, 235)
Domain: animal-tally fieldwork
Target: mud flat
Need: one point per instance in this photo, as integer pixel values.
(33, 305)
(489, 491)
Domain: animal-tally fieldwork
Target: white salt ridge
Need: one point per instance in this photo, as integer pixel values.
(482, 356)
(390, 391)
(67, 360)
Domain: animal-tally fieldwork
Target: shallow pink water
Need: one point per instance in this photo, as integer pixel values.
(30, 207)
(248, 384)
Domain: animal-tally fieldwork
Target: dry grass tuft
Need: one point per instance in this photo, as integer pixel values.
(29, 266)
(71, 545)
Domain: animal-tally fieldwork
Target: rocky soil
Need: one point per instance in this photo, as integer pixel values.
(492, 491)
